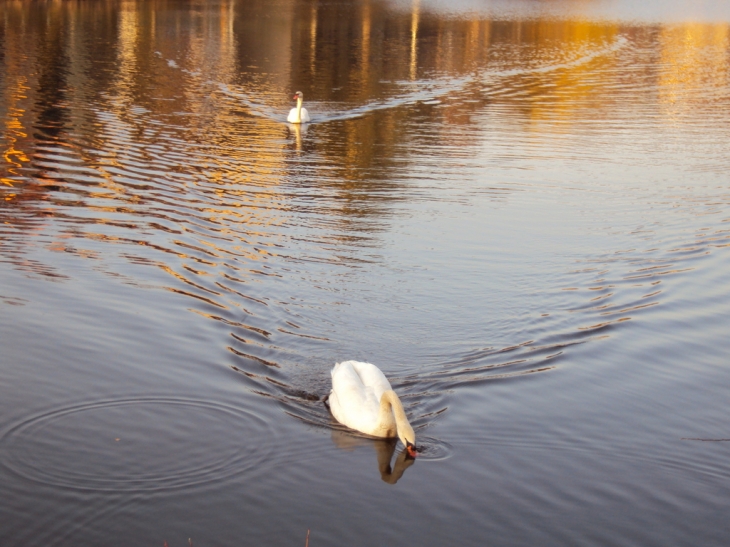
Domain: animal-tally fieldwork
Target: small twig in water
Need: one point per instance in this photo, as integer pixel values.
(705, 440)
(307, 543)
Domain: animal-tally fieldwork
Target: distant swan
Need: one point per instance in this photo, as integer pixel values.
(362, 399)
(298, 114)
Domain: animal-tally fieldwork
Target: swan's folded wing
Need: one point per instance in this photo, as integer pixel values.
(352, 402)
(372, 377)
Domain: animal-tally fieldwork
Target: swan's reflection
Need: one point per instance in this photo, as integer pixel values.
(384, 449)
(298, 130)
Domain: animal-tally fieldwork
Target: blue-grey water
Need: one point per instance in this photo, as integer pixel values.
(520, 211)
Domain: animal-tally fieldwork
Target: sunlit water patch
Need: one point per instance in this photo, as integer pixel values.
(523, 220)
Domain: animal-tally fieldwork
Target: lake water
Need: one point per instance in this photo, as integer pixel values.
(519, 210)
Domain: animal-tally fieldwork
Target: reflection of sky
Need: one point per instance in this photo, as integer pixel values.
(658, 11)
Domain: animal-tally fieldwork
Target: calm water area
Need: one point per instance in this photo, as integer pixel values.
(519, 210)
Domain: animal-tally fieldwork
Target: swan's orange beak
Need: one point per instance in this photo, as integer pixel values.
(412, 451)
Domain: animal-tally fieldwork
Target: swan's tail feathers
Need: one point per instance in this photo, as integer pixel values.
(334, 369)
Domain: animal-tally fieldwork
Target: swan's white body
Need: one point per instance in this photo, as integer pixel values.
(362, 399)
(298, 114)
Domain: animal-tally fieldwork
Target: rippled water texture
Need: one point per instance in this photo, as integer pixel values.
(519, 210)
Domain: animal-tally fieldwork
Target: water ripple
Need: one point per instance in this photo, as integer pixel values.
(141, 444)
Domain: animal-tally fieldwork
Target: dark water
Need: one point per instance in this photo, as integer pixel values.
(519, 211)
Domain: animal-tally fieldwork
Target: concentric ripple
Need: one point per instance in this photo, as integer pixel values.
(433, 449)
(144, 444)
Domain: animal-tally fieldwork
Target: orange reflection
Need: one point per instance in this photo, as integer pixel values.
(694, 59)
(15, 133)
(192, 97)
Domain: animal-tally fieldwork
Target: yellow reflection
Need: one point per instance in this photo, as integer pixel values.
(477, 40)
(365, 49)
(127, 44)
(694, 59)
(193, 50)
(415, 14)
(565, 93)
(14, 130)
(213, 47)
(313, 38)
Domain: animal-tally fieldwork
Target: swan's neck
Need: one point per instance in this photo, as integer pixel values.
(299, 109)
(393, 418)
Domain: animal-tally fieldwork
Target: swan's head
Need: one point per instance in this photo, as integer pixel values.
(408, 438)
(299, 96)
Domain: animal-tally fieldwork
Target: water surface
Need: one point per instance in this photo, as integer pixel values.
(519, 211)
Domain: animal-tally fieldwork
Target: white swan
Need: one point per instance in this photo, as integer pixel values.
(362, 399)
(298, 114)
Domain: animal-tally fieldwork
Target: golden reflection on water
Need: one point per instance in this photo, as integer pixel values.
(15, 122)
(218, 77)
(414, 39)
(14, 128)
(694, 58)
(565, 95)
